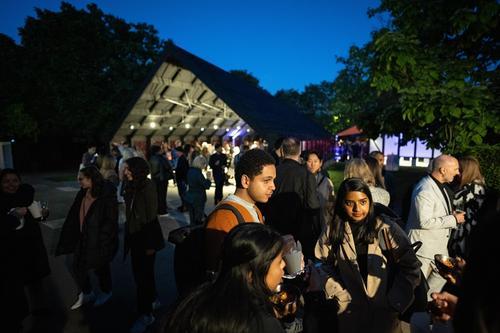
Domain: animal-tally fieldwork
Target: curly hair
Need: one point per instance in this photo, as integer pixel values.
(251, 164)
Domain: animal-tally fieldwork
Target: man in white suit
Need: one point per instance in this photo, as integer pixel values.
(432, 217)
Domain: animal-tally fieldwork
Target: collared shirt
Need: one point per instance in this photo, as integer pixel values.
(445, 193)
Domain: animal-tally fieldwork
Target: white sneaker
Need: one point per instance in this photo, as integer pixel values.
(83, 299)
(102, 298)
(142, 323)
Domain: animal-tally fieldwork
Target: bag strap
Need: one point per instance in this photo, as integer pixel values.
(388, 244)
(387, 241)
(323, 177)
(233, 209)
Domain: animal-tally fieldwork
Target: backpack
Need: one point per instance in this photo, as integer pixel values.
(189, 259)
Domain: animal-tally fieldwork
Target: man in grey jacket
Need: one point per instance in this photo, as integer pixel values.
(432, 216)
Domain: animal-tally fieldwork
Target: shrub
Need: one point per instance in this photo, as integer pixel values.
(489, 159)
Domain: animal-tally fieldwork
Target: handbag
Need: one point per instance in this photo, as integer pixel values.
(419, 303)
(179, 235)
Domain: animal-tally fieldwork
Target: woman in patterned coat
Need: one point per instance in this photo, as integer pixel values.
(469, 198)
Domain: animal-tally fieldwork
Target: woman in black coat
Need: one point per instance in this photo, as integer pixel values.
(143, 236)
(91, 233)
(24, 259)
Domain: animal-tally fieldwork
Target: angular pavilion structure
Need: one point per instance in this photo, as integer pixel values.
(186, 98)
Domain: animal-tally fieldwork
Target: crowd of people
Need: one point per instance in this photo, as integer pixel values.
(360, 264)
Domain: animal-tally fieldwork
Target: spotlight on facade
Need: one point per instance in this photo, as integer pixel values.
(152, 124)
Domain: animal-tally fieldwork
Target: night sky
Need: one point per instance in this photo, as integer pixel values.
(284, 43)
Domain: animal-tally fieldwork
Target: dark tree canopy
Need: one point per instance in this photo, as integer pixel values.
(441, 59)
(247, 76)
(80, 70)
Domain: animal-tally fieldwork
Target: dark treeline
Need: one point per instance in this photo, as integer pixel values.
(69, 80)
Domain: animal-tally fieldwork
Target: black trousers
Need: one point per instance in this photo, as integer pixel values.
(182, 188)
(143, 268)
(103, 273)
(161, 190)
(219, 184)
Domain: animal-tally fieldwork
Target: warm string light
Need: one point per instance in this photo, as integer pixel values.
(154, 125)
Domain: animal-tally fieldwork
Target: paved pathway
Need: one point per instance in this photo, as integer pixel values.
(118, 314)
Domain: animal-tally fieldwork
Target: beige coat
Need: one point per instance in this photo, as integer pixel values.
(374, 306)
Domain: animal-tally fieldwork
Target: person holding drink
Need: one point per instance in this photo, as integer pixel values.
(371, 267)
(23, 254)
(239, 300)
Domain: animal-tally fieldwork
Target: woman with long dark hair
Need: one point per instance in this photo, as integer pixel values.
(143, 236)
(238, 300)
(372, 267)
(324, 186)
(90, 232)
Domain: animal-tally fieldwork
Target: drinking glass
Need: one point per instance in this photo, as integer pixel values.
(45, 209)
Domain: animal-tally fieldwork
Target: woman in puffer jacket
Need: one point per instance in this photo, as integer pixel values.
(90, 232)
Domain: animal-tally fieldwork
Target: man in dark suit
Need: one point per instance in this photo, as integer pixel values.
(217, 163)
(181, 176)
(294, 202)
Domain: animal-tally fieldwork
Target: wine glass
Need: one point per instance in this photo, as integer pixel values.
(45, 209)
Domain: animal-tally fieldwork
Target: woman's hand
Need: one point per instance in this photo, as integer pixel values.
(45, 213)
(455, 275)
(150, 252)
(20, 211)
(443, 305)
(289, 309)
(289, 243)
(317, 277)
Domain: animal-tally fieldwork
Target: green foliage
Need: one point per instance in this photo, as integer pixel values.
(17, 124)
(315, 101)
(353, 94)
(489, 159)
(443, 69)
(336, 175)
(81, 69)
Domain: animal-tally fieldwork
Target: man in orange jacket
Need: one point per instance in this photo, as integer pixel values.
(254, 175)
